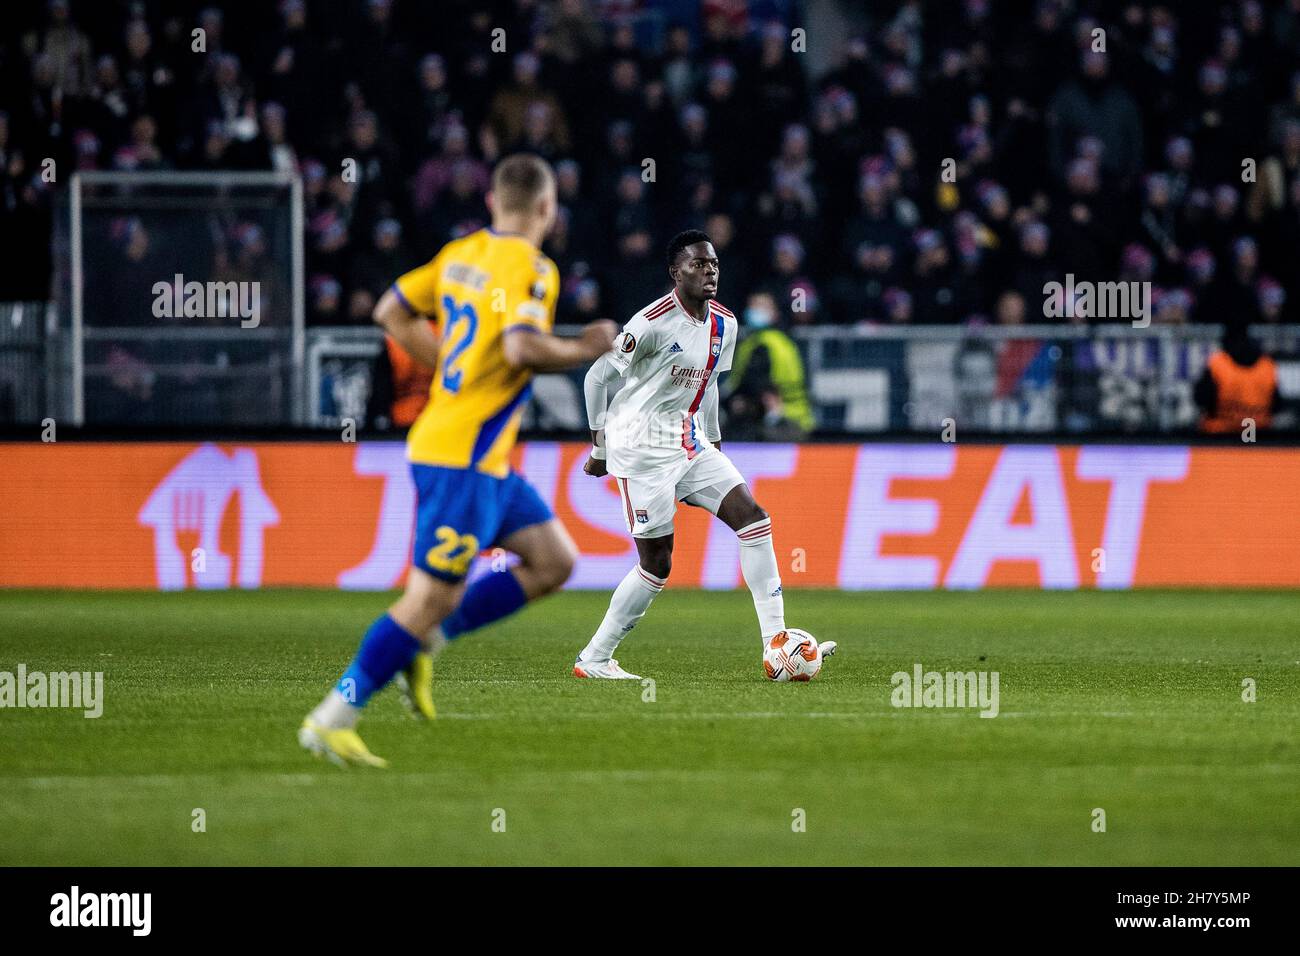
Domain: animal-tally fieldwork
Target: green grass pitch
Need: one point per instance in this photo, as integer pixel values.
(1127, 702)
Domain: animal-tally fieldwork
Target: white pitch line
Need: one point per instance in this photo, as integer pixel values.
(331, 776)
(900, 713)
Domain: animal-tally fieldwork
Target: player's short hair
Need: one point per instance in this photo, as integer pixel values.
(519, 180)
(683, 239)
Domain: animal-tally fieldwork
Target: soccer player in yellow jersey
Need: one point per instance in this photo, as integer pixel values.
(492, 296)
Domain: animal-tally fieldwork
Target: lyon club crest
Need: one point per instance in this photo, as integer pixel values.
(715, 345)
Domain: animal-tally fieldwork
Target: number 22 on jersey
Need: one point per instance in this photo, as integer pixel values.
(462, 319)
(453, 552)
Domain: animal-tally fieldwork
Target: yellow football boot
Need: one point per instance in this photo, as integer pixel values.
(342, 746)
(415, 684)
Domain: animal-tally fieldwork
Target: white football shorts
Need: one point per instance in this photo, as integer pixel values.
(650, 500)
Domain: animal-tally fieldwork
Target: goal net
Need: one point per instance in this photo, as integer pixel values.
(181, 300)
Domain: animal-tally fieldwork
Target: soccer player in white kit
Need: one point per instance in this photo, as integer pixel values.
(660, 440)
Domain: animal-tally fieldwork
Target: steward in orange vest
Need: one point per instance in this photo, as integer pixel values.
(1239, 382)
(399, 388)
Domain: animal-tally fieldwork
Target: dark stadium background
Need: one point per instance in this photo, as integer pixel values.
(813, 160)
(208, 515)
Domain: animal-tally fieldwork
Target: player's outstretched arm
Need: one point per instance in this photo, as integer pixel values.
(412, 332)
(595, 389)
(543, 352)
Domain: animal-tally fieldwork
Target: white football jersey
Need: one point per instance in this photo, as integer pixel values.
(667, 359)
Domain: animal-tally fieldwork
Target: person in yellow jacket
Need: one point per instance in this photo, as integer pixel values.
(1239, 384)
(768, 389)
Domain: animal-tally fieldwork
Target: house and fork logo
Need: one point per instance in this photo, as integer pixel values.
(189, 505)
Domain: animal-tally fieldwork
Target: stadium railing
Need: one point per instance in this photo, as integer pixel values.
(180, 297)
(126, 344)
(996, 380)
(1003, 381)
(29, 363)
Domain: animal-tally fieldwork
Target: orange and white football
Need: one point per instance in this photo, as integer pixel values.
(792, 655)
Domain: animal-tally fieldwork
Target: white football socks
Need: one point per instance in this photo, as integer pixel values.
(627, 606)
(638, 588)
(335, 712)
(758, 564)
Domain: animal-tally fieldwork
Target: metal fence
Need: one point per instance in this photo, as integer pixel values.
(341, 367)
(1026, 380)
(28, 363)
(989, 380)
(1041, 379)
(179, 302)
(180, 297)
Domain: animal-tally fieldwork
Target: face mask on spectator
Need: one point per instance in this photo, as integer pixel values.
(757, 317)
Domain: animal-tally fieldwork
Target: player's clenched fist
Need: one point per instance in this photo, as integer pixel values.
(595, 467)
(598, 337)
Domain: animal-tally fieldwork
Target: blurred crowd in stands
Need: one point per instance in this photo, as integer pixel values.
(1172, 157)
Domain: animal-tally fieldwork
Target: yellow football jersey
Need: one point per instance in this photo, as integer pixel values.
(478, 289)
